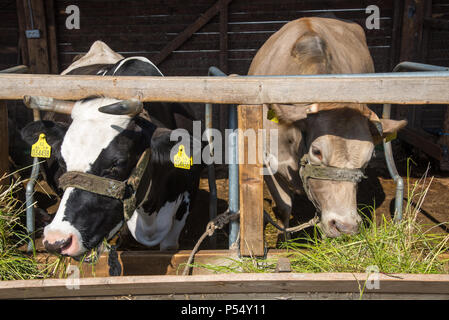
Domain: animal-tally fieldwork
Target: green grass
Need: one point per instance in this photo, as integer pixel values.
(14, 263)
(392, 247)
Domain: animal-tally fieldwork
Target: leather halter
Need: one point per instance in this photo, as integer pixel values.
(131, 192)
(321, 172)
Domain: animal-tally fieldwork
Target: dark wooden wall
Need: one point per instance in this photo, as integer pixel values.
(144, 27)
(9, 34)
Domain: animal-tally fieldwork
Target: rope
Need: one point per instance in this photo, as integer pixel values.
(223, 219)
(300, 227)
(217, 223)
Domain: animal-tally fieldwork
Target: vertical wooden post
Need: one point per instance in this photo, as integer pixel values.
(412, 32)
(4, 148)
(39, 61)
(250, 183)
(224, 36)
(396, 33)
(223, 110)
(52, 41)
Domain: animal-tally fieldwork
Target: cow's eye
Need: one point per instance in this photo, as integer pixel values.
(119, 163)
(317, 153)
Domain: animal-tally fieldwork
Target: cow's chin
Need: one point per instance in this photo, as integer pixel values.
(91, 255)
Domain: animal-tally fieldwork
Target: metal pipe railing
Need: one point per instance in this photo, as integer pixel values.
(213, 71)
(29, 190)
(386, 114)
(233, 168)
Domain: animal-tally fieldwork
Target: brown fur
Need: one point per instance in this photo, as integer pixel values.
(343, 133)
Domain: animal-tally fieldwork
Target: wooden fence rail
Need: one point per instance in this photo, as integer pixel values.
(394, 88)
(410, 88)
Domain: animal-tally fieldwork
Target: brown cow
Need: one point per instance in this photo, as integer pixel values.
(329, 135)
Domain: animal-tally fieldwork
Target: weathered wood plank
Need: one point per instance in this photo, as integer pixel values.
(187, 33)
(412, 30)
(250, 181)
(225, 283)
(416, 88)
(37, 48)
(52, 40)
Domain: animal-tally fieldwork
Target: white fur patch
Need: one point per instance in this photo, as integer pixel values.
(150, 230)
(64, 227)
(143, 59)
(90, 132)
(171, 241)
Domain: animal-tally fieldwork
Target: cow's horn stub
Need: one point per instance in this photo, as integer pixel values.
(48, 104)
(125, 107)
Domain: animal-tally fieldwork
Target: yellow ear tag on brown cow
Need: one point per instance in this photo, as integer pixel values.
(271, 115)
(41, 149)
(181, 160)
(391, 137)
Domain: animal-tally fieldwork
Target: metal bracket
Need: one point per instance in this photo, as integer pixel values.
(33, 34)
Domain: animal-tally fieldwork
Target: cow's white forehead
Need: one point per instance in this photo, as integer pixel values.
(90, 132)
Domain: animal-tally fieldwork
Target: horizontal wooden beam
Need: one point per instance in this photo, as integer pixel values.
(397, 88)
(441, 24)
(421, 140)
(280, 283)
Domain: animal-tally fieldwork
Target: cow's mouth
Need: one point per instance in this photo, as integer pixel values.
(91, 256)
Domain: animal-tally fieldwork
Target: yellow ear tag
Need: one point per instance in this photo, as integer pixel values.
(41, 149)
(181, 160)
(271, 115)
(391, 137)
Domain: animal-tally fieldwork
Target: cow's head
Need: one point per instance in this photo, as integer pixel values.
(101, 144)
(340, 136)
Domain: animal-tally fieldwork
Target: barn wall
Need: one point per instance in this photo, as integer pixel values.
(9, 32)
(436, 53)
(143, 27)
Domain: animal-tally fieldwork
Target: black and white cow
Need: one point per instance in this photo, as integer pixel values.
(109, 146)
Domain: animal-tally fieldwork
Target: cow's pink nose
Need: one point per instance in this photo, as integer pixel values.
(342, 227)
(59, 244)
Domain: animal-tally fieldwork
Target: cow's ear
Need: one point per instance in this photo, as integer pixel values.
(389, 127)
(54, 132)
(289, 113)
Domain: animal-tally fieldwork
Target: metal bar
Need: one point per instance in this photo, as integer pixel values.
(415, 66)
(213, 71)
(233, 167)
(16, 69)
(30, 219)
(386, 114)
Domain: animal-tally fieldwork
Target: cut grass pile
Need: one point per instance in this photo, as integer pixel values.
(390, 247)
(14, 263)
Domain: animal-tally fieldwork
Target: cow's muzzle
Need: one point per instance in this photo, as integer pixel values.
(312, 171)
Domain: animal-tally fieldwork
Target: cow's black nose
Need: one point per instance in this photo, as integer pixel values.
(58, 246)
